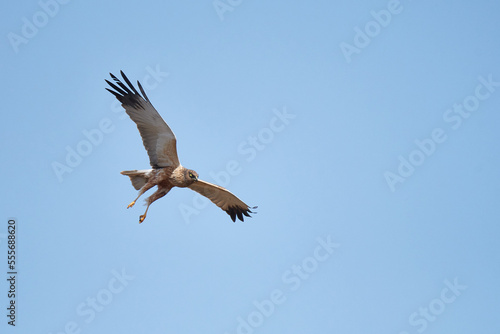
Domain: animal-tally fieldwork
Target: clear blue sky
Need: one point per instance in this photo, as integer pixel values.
(366, 132)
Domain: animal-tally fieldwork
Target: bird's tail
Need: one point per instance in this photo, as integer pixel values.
(138, 177)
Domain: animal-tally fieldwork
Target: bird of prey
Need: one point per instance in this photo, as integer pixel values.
(160, 143)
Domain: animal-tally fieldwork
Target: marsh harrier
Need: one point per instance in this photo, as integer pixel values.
(160, 143)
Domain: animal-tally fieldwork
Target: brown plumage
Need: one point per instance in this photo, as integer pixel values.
(160, 143)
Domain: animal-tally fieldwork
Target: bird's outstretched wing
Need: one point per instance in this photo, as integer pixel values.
(223, 198)
(158, 138)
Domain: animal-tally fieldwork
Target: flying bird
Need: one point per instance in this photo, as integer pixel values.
(160, 143)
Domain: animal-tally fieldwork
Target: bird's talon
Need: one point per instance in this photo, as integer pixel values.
(131, 205)
(141, 218)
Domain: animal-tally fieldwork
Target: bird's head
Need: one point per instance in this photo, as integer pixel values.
(191, 175)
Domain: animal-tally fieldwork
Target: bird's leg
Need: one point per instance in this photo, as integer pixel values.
(156, 195)
(144, 188)
(142, 217)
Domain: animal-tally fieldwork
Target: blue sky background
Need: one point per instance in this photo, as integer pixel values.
(322, 175)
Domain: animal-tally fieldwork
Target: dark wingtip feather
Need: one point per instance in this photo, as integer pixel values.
(124, 94)
(113, 77)
(118, 96)
(239, 212)
(122, 85)
(142, 91)
(115, 87)
(128, 82)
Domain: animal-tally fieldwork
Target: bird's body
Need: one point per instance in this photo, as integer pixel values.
(160, 143)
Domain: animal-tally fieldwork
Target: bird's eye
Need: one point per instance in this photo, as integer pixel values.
(191, 175)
